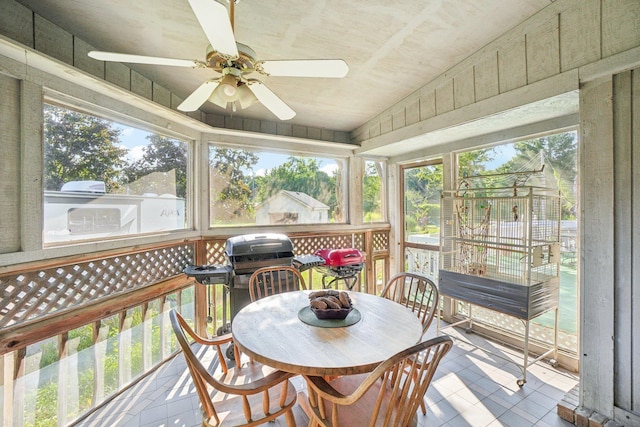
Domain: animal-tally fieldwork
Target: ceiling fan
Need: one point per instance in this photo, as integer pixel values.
(234, 62)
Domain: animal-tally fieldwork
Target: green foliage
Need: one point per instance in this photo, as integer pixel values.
(472, 163)
(302, 175)
(422, 186)
(162, 169)
(558, 153)
(372, 193)
(231, 189)
(80, 147)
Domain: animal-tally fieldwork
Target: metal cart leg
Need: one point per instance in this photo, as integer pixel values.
(525, 365)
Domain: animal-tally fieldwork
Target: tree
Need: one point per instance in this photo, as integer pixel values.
(422, 197)
(302, 175)
(372, 191)
(558, 155)
(231, 189)
(80, 147)
(162, 169)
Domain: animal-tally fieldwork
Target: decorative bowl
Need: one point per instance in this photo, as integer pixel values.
(331, 313)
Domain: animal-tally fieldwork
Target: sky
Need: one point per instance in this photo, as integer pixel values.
(135, 140)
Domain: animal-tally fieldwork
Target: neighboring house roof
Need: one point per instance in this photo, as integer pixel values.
(302, 198)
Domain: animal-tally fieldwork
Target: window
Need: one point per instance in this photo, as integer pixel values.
(373, 191)
(256, 187)
(555, 156)
(421, 187)
(103, 179)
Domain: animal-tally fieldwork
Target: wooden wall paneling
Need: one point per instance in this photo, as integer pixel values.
(486, 77)
(374, 129)
(160, 95)
(32, 166)
(118, 74)
(597, 243)
(141, 85)
(427, 98)
(253, 125)
(386, 123)
(512, 65)
(82, 61)
(10, 164)
(286, 130)
(53, 40)
(312, 133)
(635, 242)
(444, 97)
(412, 111)
(398, 118)
(325, 134)
(623, 249)
(354, 188)
(543, 51)
(464, 88)
(620, 26)
(580, 35)
(16, 22)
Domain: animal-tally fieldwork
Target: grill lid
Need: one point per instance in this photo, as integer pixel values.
(340, 257)
(258, 244)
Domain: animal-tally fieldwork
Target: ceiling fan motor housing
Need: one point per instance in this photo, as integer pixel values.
(245, 61)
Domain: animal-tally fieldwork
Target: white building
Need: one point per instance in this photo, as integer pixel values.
(291, 207)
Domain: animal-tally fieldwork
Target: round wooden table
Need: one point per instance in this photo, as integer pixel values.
(270, 331)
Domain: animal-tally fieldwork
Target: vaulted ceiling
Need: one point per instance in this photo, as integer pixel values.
(392, 47)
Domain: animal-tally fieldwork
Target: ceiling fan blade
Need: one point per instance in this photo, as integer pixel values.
(270, 100)
(139, 59)
(199, 96)
(215, 22)
(336, 68)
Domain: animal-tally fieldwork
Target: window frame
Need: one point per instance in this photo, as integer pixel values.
(83, 107)
(298, 148)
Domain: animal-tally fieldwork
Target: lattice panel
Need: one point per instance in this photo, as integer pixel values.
(215, 252)
(310, 244)
(38, 293)
(566, 340)
(381, 241)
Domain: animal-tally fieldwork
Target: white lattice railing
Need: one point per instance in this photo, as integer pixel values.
(75, 331)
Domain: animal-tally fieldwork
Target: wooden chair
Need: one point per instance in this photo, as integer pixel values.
(415, 292)
(242, 397)
(267, 281)
(387, 397)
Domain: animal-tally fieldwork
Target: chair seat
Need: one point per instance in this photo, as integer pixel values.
(248, 372)
(389, 396)
(361, 409)
(230, 406)
(248, 395)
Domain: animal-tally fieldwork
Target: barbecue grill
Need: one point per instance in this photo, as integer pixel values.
(249, 252)
(340, 264)
(245, 253)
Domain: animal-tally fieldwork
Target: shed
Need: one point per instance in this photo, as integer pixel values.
(291, 207)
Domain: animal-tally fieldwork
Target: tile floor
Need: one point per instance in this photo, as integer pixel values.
(475, 386)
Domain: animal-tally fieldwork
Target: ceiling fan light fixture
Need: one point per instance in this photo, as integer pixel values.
(246, 98)
(229, 86)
